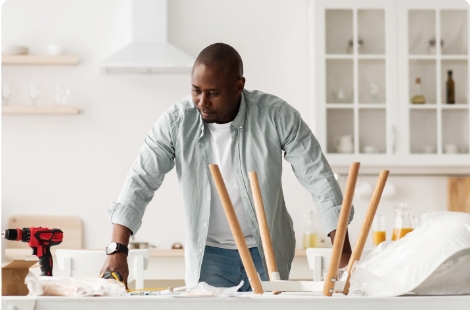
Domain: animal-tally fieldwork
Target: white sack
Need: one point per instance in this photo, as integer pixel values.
(434, 259)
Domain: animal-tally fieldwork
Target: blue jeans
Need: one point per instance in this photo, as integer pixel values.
(224, 268)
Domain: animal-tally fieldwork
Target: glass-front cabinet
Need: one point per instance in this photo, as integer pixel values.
(433, 97)
(390, 81)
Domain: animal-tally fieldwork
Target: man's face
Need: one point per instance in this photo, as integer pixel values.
(215, 93)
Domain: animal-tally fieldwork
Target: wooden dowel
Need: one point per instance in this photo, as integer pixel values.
(236, 230)
(263, 225)
(341, 229)
(365, 228)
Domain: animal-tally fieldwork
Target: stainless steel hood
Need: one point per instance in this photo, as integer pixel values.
(149, 50)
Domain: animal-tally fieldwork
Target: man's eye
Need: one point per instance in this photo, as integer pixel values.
(214, 94)
(196, 91)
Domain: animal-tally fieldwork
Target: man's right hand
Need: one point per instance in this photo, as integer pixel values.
(118, 260)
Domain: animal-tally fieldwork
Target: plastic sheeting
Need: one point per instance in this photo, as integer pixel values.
(434, 259)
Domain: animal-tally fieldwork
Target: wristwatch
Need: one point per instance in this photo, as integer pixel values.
(114, 247)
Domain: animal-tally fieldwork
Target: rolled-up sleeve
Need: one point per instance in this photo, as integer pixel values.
(310, 166)
(156, 158)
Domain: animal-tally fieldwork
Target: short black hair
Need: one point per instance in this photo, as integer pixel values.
(221, 54)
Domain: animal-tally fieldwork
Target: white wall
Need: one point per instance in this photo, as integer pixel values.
(77, 164)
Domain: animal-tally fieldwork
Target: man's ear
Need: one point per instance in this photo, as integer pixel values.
(240, 85)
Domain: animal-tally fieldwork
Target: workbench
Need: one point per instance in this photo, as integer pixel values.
(246, 301)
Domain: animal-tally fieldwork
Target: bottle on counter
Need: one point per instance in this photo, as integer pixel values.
(379, 232)
(310, 237)
(403, 222)
(418, 98)
(450, 88)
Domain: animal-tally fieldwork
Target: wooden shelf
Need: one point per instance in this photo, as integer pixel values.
(39, 60)
(39, 110)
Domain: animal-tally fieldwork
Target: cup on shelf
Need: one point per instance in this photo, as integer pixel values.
(34, 91)
(428, 149)
(55, 49)
(61, 93)
(370, 149)
(344, 144)
(451, 149)
(6, 93)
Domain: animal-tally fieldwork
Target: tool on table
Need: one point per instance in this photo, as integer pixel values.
(331, 283)
(112, 275)
(40, 239)
(158, 291)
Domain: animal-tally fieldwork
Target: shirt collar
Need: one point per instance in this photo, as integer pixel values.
(239, 120)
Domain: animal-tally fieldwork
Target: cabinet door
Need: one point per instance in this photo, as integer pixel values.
(354, 81)
(433, 40)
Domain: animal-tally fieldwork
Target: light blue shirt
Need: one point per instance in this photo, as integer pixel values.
(265, 128)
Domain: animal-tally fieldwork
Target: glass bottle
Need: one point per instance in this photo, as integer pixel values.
(418, 98)
(378, 230)
(310, 238)
(403, 223)
(450, 88)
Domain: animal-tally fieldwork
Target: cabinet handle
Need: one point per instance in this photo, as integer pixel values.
(394, 139)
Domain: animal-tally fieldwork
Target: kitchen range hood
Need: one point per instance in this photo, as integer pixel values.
(149, 50)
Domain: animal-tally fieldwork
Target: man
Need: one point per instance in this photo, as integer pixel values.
(240, 130)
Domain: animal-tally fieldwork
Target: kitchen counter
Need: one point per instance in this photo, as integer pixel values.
(26, 253)
(246, 301)
(167, 265)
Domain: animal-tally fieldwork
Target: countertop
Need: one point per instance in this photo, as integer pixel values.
(246, 302)
(26, 253)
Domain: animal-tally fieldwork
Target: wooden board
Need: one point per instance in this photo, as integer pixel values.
(39, 110)
(70, 225)
(458, 194)
(40, 60)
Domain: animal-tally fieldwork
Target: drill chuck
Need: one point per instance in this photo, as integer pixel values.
(17, 234)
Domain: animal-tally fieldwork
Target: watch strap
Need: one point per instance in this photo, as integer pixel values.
(122, 248)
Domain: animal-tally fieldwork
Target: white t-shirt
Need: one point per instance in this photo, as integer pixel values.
(219, 234)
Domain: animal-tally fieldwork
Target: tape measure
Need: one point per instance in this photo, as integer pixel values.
(112, 275)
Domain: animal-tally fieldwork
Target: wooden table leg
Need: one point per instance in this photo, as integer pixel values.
(365, 228)
(341, 229)
(236, 231)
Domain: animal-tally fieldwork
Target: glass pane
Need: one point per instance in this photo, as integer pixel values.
(371, 31)
(372, 81)
(339, 81)
(423, 131)
(339, 31)
(459, 70)
(422, 32)
(425, 71)
(454, 32)
(340, 130)
(372, 131)
(455, 131)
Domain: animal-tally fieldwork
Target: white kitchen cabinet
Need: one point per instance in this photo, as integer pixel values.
(365, 57)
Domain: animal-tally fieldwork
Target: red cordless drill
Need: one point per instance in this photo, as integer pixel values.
(40, 239)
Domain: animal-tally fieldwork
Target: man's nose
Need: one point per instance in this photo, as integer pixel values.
(203, 100)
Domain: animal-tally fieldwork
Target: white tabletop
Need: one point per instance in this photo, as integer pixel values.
(284, 301)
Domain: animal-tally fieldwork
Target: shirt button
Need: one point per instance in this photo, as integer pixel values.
(208, 197)
(200, 250)
(241, 127)
(205, 224)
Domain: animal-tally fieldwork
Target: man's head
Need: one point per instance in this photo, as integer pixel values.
(217, 82)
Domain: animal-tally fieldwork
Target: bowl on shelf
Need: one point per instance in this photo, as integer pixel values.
(15, 50)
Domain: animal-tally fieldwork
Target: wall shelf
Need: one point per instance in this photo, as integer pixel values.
(39, 110)
(40, 60)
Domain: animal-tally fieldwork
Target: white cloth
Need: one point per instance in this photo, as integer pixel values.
(219, 233)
